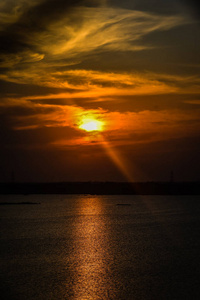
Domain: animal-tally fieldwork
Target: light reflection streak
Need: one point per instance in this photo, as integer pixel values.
(91, 251)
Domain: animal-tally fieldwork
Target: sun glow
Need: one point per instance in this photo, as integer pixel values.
(91, 125)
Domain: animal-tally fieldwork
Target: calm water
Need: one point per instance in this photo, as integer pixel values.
(88, 247)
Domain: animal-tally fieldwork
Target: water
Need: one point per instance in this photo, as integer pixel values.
(84, 247)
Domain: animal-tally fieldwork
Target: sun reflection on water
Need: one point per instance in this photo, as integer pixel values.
(91, 252)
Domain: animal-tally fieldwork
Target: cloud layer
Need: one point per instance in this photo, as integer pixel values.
(133, 65)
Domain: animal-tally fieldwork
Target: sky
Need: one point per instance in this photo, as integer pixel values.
(128, 68)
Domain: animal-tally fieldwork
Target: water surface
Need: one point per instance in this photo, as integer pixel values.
(89, 247)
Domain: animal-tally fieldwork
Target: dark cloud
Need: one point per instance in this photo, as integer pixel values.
(193, 6)
(137, 103)
(11, 89)
(36, 137)
(160, 6)
(24, 116)
(179, 46)
(133, 103)
(175, 51)
(155, 6)
(25, 110)
(69, 101)
(35, 20)
(47, 12)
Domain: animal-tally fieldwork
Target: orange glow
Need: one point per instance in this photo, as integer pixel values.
(91, 124)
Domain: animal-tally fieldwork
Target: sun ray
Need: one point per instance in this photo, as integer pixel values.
(117, 159)
(91, 124)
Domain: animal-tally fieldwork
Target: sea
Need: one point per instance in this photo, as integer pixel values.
(91, 247)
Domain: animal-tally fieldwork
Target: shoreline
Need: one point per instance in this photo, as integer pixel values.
(102, 188)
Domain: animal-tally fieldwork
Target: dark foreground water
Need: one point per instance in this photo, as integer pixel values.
(88, 247)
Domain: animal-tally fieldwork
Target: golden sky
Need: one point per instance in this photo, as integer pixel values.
(99, 90)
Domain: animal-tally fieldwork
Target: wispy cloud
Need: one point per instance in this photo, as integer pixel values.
(42, 37)
(104, 28)
(98, 87)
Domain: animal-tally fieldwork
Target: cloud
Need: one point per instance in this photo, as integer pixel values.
(106, 28)
(30, 18)
(95, 85)
(120, 128)
(22, 115)
(88, 87)
(38, 137)
(130, 65)
(46, 41)
(193, 102)
(56, 32)
(191, 6)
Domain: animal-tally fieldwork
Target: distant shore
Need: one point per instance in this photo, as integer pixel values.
(103, 188)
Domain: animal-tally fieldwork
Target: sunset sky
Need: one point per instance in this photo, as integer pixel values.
(101, 90)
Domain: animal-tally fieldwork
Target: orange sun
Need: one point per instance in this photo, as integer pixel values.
(91, 124)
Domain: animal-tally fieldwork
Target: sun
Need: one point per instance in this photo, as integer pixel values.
(90, 124)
